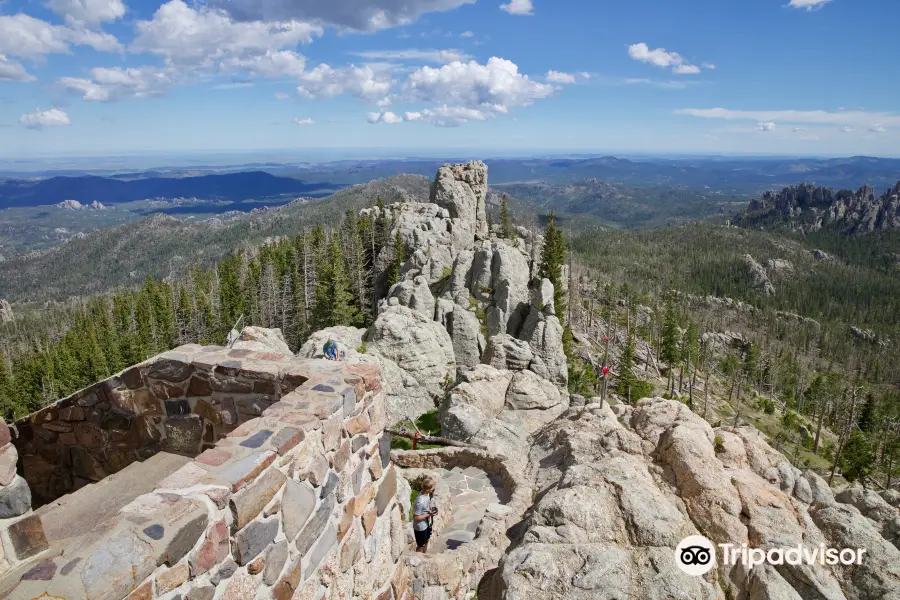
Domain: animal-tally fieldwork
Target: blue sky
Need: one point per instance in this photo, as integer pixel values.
(812, 77)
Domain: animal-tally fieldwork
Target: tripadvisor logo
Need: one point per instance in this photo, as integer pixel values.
(695, 555)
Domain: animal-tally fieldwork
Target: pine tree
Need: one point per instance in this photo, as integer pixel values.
(867, 415)
(399, 257)
(506, 229)
(333, 298)
(670, 350)
(553, 257)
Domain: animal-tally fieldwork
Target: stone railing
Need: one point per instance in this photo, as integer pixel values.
(457, 573)
(292, 496)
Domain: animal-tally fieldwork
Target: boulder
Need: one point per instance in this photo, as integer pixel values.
(544, 334)
(506, 352)
(414, 294)
(261, 339)
(423, 360)
(758, 276)
(465, 331)
(529, 391)
(348, 340)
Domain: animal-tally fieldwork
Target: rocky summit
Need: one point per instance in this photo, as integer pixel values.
(284, 484)
(806, 208)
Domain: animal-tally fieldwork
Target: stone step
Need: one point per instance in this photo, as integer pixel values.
(79, 513)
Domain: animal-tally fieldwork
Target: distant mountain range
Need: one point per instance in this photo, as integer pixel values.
(86, 189)
(807, 208)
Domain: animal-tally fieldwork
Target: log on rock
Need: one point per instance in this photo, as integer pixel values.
(427, 439)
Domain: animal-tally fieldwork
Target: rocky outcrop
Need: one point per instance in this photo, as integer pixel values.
(348, 340)
(806, 208)
(461, 189)
(474, 285)
(758, 276)
(260, 339)
(416, 354)
(615, 495)
(6, 312)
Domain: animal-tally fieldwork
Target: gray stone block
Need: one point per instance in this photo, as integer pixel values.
(297, 504)
(325, 543)
(253, 539)
(313, 529)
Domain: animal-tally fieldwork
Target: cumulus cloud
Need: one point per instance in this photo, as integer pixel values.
(494, 87)
(299, 121)
(386, 117)
(799, 129)
(89, 12)
(281, 96)
(558, 77)
(23, 35)
(660, 57)
(186, 35)
(808, 4)
(845, 117)
(364, 83)
(11, 70)
(769, 126)
(709, 66)
(848, 129)
(447, 116)
(362, 15)
(519, 7)
(467, 34)
(44, 118)
(878, 129)
(271, 65)
(433, 56)
(111, 84)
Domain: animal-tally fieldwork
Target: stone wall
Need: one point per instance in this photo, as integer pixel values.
(458, 573)
(181, 401)
(299, 501)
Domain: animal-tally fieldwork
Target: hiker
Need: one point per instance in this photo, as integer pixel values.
(424, 512)
(330, 349)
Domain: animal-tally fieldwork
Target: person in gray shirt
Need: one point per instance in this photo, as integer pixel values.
(424, 512)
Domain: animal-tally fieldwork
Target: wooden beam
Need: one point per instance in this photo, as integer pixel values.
(427, 439)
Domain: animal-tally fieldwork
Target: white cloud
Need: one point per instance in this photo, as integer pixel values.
(686, 70)
(452, 116)
(660, 57)
(768, 126)
(90, 12)
(559, 77)
(281, 96)
(848, 129)
(709, 66)
(808, 4)
(494, 87)
(519, 7)
(467, 34)
(111, 84)
(363, 15)
(433, 56)
(273, 64)
(665, 84)
(799, 129)
(386, 117)
(46, 118)
(234, 85)
(363, 83)
(299, 121)
(847, 117)
(184, 35)
(11, 70)
(23, 35)
(878, 129)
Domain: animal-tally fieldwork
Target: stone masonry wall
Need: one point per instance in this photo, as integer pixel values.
(298, 502)
(181, 401)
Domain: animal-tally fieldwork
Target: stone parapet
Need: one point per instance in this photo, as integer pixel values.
(291, 495)
(457, 573)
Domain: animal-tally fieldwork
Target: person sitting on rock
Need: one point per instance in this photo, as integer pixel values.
(424, 512)
(331, 350)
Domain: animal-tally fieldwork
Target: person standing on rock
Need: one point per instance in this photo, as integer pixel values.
(423, 513)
